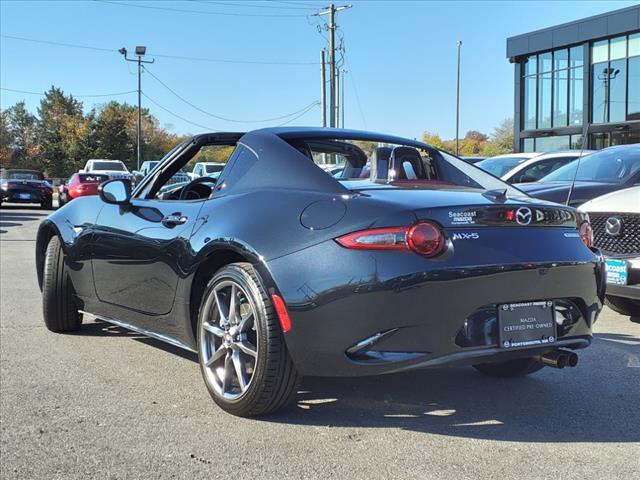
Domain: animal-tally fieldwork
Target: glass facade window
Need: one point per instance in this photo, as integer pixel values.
(600, 52)
(529, 113)
(617, 48)
(633, 99)
(576, 88)
(560, 97)
(544, 100)
(550, 144)
(617, 90)
(615, 79)
(552, 89)
(634, 44)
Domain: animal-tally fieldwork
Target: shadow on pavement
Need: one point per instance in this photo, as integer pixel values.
(10, 217)
(570, 405)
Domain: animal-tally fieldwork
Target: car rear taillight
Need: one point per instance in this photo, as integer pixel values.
(586, 233)
(424, 238)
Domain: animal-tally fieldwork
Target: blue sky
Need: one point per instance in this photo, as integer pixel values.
(401, 58)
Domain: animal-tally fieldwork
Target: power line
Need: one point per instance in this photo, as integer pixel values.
(160, 55)
(178, 116)
(201, 12)
(76, 96)
(242, 4)
(304, 109)
(355, 89)
(308, 109)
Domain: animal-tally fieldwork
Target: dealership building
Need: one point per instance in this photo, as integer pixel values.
(576, 79)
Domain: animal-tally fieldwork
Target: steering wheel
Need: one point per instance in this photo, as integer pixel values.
(192, 183)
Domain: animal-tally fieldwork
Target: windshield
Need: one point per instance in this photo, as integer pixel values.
(24, 175)
(114, 166)
(213, 168)
(152, 165)
(500, 166)
(613, 165)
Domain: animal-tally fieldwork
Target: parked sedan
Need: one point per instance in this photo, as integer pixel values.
(80, 185)
(25, 186)
(541, 165)
(503, 164)
(604, 171)
(277, 270)
(616, 227)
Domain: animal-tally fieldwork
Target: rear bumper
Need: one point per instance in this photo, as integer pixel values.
(16, 196)
(423, 312)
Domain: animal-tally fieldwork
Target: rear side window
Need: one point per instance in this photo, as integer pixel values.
(92, 178)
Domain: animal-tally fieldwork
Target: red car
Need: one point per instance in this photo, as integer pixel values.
(80, 185)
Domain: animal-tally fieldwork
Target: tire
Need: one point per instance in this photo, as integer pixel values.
(58, 297)
(273, 380)
(623, 306)
(47, 204)
(513, 368)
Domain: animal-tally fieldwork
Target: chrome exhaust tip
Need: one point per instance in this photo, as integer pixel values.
(559, 359)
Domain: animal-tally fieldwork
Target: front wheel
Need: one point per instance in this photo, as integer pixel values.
(243, 357)
(58, 297)
(512, 368)
(623, 306)
(47, 204)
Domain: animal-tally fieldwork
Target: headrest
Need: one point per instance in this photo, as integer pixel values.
(380, 163)
(407, 164)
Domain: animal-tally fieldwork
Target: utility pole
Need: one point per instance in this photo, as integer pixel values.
(140, 52)
(331, 10)
(342, 99)
(459, 44)
(323, 91)
(337, 123)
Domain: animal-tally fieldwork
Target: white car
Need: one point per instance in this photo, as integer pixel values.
(112, 168)
(502, 164)
(540, 165)
(615, 219)
(206, 169)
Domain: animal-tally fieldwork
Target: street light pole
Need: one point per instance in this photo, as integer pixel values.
(459, 44)
(140, 52)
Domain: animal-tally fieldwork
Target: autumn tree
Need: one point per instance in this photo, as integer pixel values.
(63, 133)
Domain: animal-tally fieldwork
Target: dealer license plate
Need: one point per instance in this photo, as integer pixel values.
(526, 324)
(616, 271)
(24, 196)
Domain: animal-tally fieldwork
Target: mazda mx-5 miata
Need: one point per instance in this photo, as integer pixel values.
(275, 269)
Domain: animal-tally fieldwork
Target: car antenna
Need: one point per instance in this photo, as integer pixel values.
(585, 139)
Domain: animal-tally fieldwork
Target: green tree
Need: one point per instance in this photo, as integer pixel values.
(112, 132)
(63, 133)
(22, 129)
(501, 138)
(6, 140)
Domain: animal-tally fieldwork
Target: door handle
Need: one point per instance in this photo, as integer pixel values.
(174, 219)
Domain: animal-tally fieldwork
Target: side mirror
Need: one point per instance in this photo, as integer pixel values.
(115, 192)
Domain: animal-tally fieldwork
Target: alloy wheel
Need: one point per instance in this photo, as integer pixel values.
(229, 339)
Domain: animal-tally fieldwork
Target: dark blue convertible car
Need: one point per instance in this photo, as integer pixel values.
(275, 269)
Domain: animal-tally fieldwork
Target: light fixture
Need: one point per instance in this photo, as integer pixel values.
(123, 51)
(141, 50)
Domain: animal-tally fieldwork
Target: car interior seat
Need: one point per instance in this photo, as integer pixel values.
(407, 164)
(380, 160)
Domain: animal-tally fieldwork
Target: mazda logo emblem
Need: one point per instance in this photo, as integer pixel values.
(523, 216)
(613, 226)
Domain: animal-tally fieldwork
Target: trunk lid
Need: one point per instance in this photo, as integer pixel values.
(462, 208)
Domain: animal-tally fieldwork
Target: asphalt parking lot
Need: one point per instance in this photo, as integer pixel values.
(106, 403)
